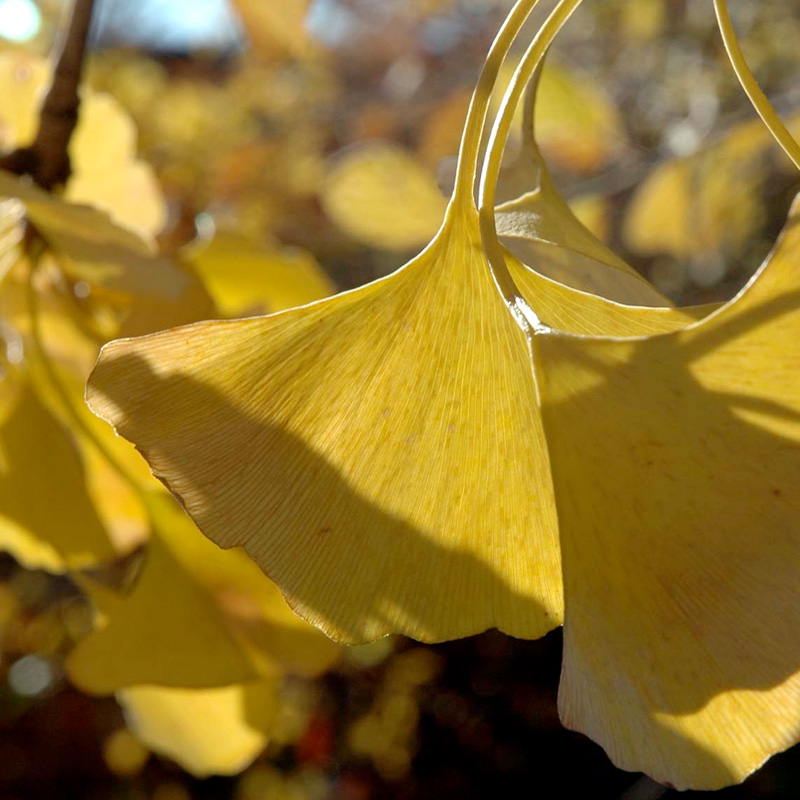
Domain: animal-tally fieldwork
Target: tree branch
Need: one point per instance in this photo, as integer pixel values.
(46, 160)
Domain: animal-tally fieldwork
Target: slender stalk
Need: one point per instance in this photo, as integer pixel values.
(469, 151)
(46, 160)
(491, 166)
(751, 87)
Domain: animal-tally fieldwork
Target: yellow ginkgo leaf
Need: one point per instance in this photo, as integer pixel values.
(698, 204)
(207, 731)
(541, 229)
(93, 249)
(196, 618)
(577, 125)
(23, 79)
(102, 150)
(83, 233)
(676, 460)
(276, 29)
(352, 446)
(247, 278)
(381, 195)
(47, 520)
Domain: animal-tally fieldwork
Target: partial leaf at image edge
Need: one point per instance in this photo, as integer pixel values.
(678, 514)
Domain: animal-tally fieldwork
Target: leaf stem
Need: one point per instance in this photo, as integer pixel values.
(469, 151)
(46, 160)
(491, 166)
(751, 88)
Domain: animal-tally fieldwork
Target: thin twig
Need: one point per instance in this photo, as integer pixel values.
(46, 160)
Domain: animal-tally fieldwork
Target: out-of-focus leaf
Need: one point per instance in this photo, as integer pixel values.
(276, 28)
(207, 731)
(105, 170)
(577, 125)
(382, 196)
(442, 132)
(247, 278)
(537, 222)
(47, 520)
(23, 82)
(198, 617)
(679, 526)
(591, 210)
(642, 20)
(699, 205)
(94, 249)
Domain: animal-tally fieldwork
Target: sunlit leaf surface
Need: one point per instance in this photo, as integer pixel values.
(675, 461)
(353, 446)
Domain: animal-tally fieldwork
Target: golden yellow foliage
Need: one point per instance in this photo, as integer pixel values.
(698, 205)
(246, 278)
(352, 446)
(577, 125)
(381, 195)
(38, 459)
(207, 731)
(679, 532)
(196, 618)
(276, 29)
(105, 170)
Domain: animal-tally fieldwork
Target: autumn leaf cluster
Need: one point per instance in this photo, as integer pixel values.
(514, 430)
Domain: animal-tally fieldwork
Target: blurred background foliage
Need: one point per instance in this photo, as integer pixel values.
(276, 152)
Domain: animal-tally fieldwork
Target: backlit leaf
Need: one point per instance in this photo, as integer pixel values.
(47, 520)
(207, 731)
(351, 445)
(381, 195)
(246, 278)
(675, 461)
(105, 170)
(540, 228)
(196, 618)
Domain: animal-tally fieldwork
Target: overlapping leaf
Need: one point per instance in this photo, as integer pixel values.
(38, 459)
(196, 618)
(678, 519)
(246, 278)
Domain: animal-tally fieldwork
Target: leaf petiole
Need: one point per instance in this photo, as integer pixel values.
(751, 88)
